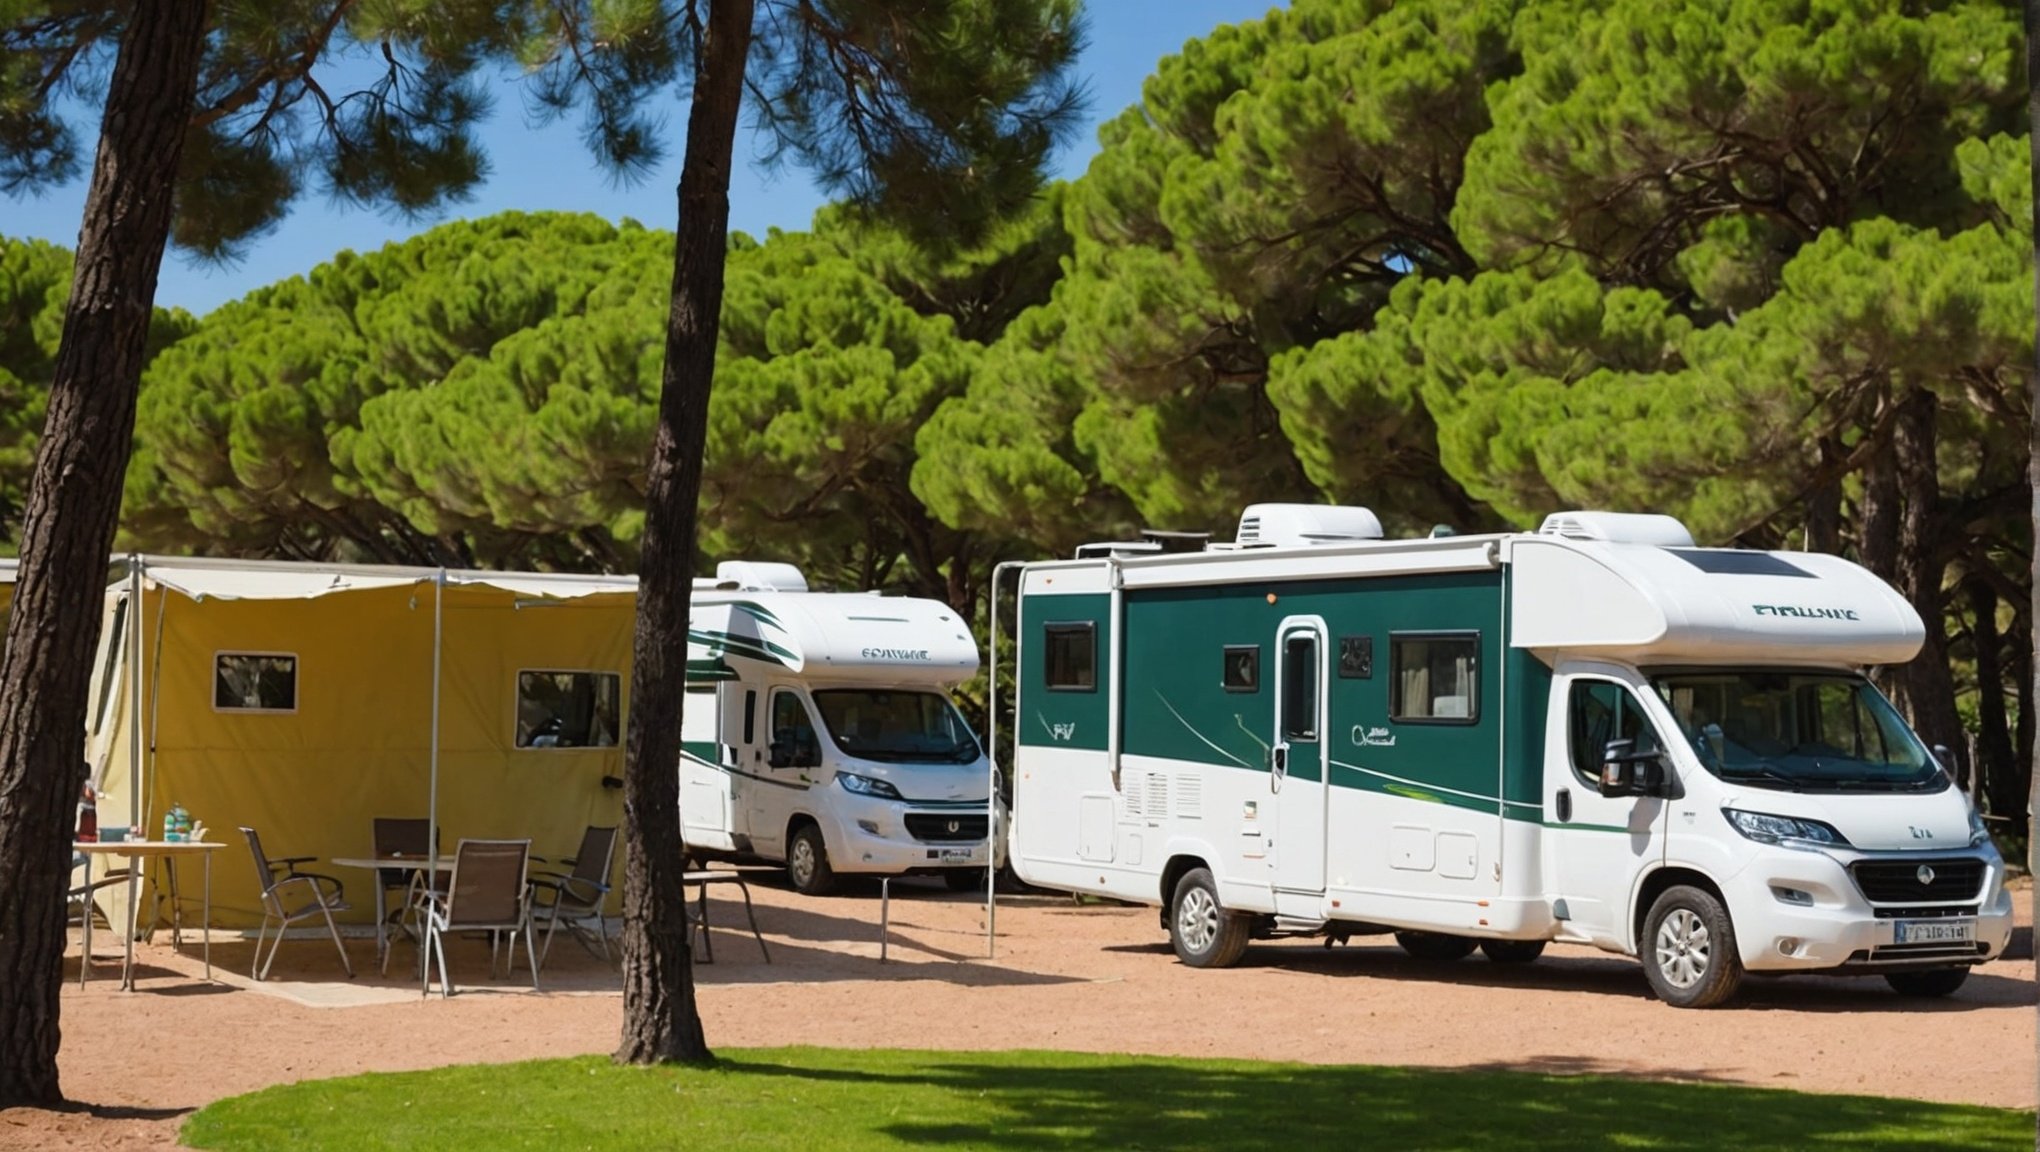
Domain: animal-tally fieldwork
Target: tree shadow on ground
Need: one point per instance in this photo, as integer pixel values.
(1227, 1106)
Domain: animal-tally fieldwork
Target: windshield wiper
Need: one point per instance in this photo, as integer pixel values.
(1761, 772)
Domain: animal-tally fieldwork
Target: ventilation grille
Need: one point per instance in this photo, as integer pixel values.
(1250, 531)
(1133, 805)
(1157, 795)
(1189, 796)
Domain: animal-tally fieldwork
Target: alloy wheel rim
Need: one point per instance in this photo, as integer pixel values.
(1683, 948)
(803, 862)
(1197, 919)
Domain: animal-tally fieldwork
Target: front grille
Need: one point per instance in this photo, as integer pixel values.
(1931, 912)
(1898, 881)
(929, 827)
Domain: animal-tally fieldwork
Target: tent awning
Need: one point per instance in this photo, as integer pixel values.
(250, 583)
(550, 585)
(253, 580)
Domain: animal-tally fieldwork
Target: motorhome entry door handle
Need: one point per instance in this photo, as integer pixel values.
(1279, 766)
(1563, 804)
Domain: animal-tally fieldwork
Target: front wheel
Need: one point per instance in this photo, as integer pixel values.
(1689, 952)
(1204, 934)
(965, 879)
(1929, 983)
(1435, 946)
(807, 863)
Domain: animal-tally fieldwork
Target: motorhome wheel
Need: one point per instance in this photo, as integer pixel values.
(1436, 946)
(1512, 951)
(1931, 982)
(1204, 934)
(1688, 949)
(807, 863)
(965, 879)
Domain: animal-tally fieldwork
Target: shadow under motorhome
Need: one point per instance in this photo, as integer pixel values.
(1595, 732)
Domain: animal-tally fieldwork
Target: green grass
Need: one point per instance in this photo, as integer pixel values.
(812, 1099)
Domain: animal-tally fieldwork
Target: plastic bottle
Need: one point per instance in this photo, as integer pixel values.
(173, 824)
(88, 817)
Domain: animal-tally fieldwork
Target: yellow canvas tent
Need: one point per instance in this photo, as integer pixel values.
(7, 572)
(304, 700)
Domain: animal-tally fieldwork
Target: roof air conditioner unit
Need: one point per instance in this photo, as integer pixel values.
(1618, 528)
(761, 576)
(1298, 525)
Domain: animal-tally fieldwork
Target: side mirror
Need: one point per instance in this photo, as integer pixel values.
(1627, 772)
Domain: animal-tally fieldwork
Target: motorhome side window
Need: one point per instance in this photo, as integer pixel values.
(1242, 668)
(564, 709)
(1072, 656)
(254, 682)
(1434, 678)
(1299, 688)
(1600, 711)
(793, 733)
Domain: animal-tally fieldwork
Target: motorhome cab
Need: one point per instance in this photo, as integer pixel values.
(818, 731)
(1596, 732)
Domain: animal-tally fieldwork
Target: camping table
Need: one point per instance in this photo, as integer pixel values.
(168, 852)
(702, 880)
(377, 864)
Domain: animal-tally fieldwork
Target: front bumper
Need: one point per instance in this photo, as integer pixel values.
(879, 837)
(1801, 910)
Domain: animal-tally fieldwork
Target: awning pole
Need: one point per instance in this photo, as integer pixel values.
(992, 770)
(134, 638)
(432, 802)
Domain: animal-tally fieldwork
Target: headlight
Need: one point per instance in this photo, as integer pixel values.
(1978, 834)
(1765, 828)
(867, 786)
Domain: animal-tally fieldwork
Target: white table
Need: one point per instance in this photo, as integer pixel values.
(140, 851)
(399, 863)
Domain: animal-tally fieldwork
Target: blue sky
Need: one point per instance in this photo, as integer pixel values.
(548, 168)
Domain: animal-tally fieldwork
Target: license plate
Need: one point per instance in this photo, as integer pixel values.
(958, 855)
(1935, 932)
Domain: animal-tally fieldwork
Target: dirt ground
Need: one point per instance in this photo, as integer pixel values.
(1092, 978)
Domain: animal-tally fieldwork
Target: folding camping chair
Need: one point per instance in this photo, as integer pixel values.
(275, 905)
(487, 893)
(82, 896)
(574, 898)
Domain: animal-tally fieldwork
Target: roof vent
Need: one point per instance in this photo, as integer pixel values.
(1618, 528)
(760, 576)
(1295, 525)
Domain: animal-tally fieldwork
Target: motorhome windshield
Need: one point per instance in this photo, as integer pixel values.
(1798, 731)
(897, 727)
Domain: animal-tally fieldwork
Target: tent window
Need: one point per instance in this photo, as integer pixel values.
(255, 682)
(568, 709)
(1434, 679)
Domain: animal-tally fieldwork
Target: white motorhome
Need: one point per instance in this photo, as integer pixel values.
(819, 731)
(1596, 732)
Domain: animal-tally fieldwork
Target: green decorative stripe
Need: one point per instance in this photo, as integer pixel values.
(1579, 827)
(719, 643)
(692, 750)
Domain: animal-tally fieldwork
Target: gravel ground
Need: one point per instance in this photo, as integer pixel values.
(1092, 978)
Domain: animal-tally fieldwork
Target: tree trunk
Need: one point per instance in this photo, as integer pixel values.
(1922, 565)
(2032, 691)
(1999, 784)
(69, 519)
(660, 1021)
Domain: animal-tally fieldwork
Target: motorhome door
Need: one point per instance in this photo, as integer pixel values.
(1296, 776)
(1598, 844)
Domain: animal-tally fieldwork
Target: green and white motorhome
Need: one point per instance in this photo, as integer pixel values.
(819, 732)
(1595, 732)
